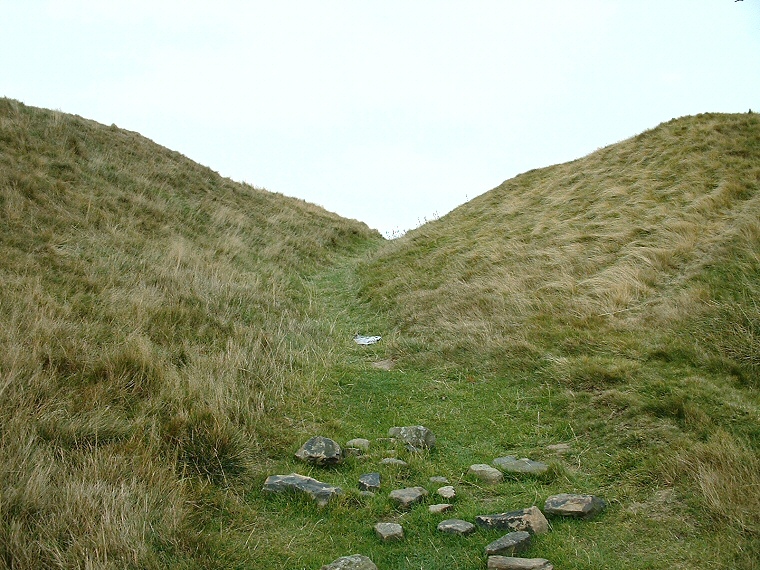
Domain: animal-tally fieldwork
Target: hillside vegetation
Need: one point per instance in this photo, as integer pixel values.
(168, 339)
(154, 324)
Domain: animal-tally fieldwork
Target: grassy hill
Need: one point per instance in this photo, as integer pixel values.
(168, 338)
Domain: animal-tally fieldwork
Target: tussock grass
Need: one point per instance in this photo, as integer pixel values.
(625, 282)
(154, 327)
(168, 338)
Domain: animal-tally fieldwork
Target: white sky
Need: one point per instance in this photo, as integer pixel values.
(389, 112)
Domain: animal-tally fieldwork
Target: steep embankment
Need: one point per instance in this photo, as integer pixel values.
(660, 231)
(618, 294)
(153, 321)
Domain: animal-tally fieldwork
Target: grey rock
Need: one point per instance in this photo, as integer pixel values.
(358, 443)
(509, 544)
(447, 492)
(409, 496)
(440, 508)
(439, 480)
(369, 482)
(416, 438)
(510, 563)
(486, 473)
(322, 493)
(456, 526)
(353, 562)
(578, 506)
(388, 532)
(511, 464)
(394, 461)
(531, 520)
(320, 451)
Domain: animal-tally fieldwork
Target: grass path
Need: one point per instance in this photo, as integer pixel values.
(622, 449)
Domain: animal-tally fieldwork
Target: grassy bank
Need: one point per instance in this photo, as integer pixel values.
(168, 339)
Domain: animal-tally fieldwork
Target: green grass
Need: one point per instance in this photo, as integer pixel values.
(168, 339)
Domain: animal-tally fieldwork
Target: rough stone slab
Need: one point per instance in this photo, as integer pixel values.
(394, 461)
(447, 492)
(486, 473)
(388, 532)
(578, 506)
(527, 466)
(439, 480)
(531, 520)
(409, 496)
(511, 563)
(440, 508)
(320, 451)
(358, 443)
(416, 438)
(353, 562)
(320, 492)
(456, 526)
(369, 482)
(509, 544)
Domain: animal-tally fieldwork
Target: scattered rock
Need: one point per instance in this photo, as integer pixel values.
(509, 544)
(456, 526)
(559, 448)
(416, 438)
(320, 451)
(513, 465)
(531, 520)
(320, 492)
(510, 563)
(358, 443)
(409, 496)
(579, 506)
(353, 562)
(486, 473)
(369, 482)
(439, 480)
(388, 532)
(440, 508)
(394, 461)
(447, 492)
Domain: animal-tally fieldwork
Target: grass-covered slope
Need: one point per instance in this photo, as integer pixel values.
(154, 330)
(617, 296)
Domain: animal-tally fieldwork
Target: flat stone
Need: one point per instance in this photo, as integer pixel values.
(578, 506)
(511, 563)
(560, 448)
(456, 526)
(509, 544)
(416, 438)
(531, 520)
(353, 562)
(447, 492)
(409, 496)
(439, 480)
(440, 508)
(320, 451)
(394, 461)
(388, 532)
(486, 473)
(322, 493)
(511, 464)
(369, 482)
(358, 443)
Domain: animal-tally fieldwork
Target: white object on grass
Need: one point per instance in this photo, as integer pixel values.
(365, 340)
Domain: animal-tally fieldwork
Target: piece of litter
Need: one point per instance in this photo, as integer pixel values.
(365, 340)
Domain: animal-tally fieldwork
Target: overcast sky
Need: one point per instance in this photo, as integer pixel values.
(388, 112)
